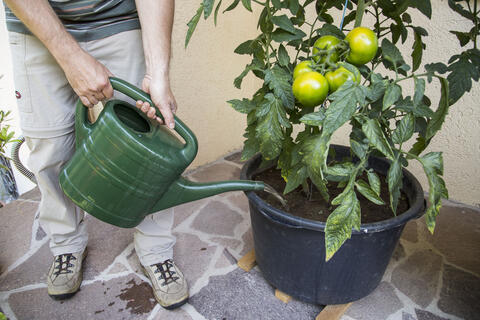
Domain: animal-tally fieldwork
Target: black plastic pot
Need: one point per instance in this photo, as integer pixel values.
(290, 250)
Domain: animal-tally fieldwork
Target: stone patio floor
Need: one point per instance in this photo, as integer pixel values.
(429, 277)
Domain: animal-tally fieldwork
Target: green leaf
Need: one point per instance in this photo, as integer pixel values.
(463, 37)
(278, 80)
(374, 181)
(243, 106)
(460, 10)
(284, 23)
(293, 5)
(314, 118)
(207, 8)
(340, 223)
(394, 178)
(359, 149)
(341, 169)
(283, 57)
(433, 166)
(419, 91)
(320, 184)
(330, 30)
(342, 107)
(232, 6)
(417, 52)
(237, 82)
(391, 53)
(192, 24)
(404, 130)
(392, 94)
(251, 145)
(247, 4)
(424, 6)
(372, 129)
(248, 47)
(270, 133)
(460, 78)
(368, 192)
(438, 118)
(315, 152)
(216, 12)
(296, 177)
(280, 35)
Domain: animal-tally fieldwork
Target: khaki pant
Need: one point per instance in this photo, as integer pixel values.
(47, 106)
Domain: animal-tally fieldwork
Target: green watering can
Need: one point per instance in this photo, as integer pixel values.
(127, 166)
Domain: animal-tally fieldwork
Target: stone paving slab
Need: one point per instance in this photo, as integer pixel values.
(429, 277)
(246, 295)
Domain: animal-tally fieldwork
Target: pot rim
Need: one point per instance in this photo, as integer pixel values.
(415, 211)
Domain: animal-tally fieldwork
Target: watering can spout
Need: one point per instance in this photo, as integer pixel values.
(183, 190)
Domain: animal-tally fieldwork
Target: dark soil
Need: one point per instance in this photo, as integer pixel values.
(317, 209)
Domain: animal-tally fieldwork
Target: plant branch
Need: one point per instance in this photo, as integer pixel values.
(360, 11)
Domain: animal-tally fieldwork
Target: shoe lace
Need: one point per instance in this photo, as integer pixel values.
(63, 264)
(166, 274)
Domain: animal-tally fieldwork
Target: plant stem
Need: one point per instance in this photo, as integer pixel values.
(411, 76)
(475, 18)
(268, 40)
(359, 15)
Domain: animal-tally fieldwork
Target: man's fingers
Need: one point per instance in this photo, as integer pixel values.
(85, 101)
(108, 91)
(168, 117)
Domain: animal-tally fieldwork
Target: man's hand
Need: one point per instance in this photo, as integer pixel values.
(88, 78)
(162, 97)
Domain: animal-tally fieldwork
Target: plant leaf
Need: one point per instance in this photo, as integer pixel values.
(404, 129)
(424, 6)
(340, 223)
(391, 53)
(283, 57)
(192, 24)
(270, 133)
(296, 177)
(232, 6)
(394, 178)
(417, 52)
(438, 117)
(371, 128)
(460, 77)
(342, 108)
(247, 4)
(419, 91)
(243, 106)
(433, 166)
(374, 181)
(251, 144)
(392, 94)
(284, 23)
(314, 118)
(207, 8)
(278, 80)
(368, 192)
(216, 12)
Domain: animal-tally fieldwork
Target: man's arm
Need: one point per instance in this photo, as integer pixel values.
(156, 19)
(87, 76)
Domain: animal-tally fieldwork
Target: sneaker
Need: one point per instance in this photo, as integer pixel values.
(169, 286)
(65, 275)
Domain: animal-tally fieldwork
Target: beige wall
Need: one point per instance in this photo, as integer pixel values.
(203, 74)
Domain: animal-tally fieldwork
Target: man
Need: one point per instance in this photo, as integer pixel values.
(67, 49)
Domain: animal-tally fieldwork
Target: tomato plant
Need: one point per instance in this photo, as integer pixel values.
(326, 48)
(383, 115)
(341, 75)
(302, 67)
(363, 44)
(310, 88)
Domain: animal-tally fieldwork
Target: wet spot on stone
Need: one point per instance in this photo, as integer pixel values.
(425, 315)
(40, 234)
(203, 249)
(99, 311)
(138, 297)
(111, 303)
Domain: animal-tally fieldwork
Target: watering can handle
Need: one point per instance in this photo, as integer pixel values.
(191, 146)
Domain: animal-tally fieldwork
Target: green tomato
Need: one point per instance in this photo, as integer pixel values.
(310, 89)
(363, 44)
(338, 77)
(325, 43)
(302, 67)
